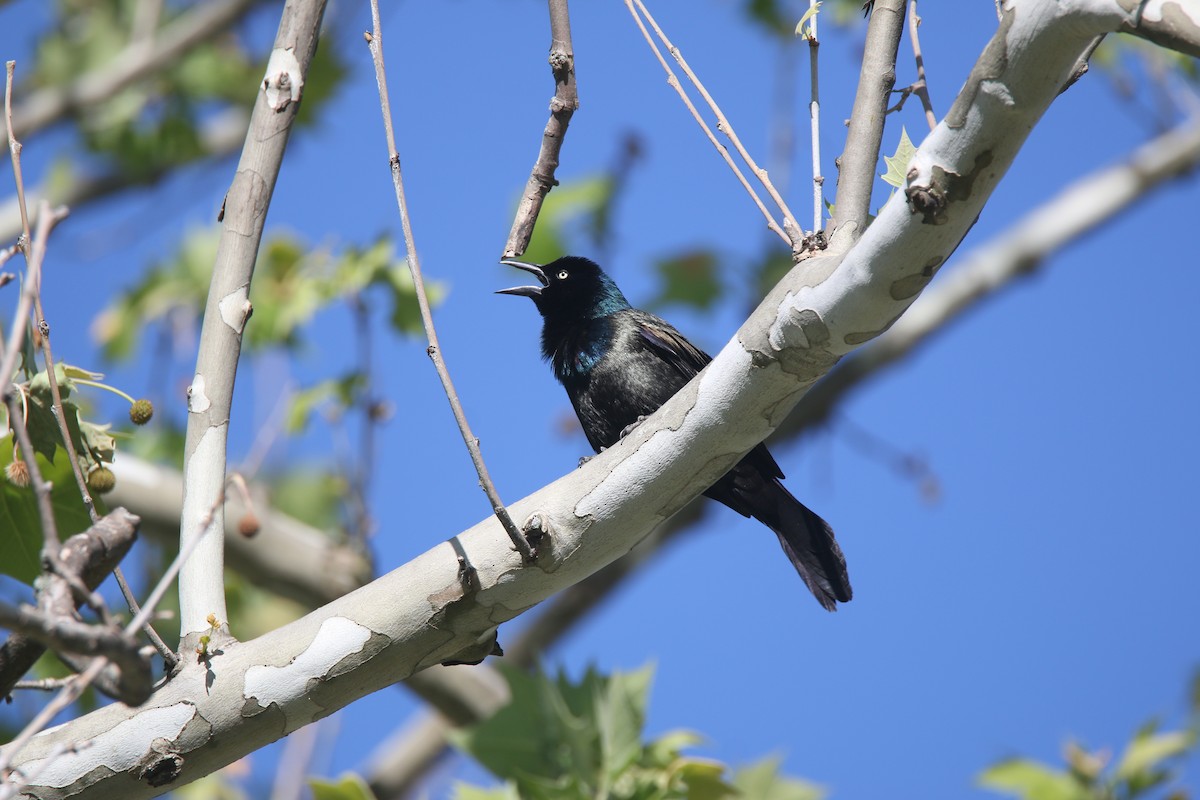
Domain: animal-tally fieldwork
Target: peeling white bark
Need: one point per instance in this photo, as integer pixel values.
(336, 639)
(120, 748)
(284, 78)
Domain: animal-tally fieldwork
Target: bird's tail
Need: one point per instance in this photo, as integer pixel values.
(808, 542)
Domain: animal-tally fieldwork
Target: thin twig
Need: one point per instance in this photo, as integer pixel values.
(920, 87)
(39, 251)
(794, 234)
(14, 147)
(857, 166)
(168, 655)
(1082, 66)
(44, 684)
(562, 106)
(360, 527)
(375, 43)
(674, 83)
(69, 635)
(814, 114)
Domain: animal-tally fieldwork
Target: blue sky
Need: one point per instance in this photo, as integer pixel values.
(1050, 592)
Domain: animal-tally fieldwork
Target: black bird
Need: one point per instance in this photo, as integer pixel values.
(619, 364)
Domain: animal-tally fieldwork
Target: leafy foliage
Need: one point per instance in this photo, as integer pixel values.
(155, 124)
(690, 278)
(291, 285)
(561, 739)
(1146, 768)
(897, 163)
(347, 787)
(568, 207)
(21, 541)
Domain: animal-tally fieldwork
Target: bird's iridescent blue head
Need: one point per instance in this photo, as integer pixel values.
(572, 287)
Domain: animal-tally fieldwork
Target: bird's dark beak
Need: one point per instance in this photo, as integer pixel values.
(526, 291)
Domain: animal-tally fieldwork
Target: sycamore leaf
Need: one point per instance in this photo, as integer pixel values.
(21, 541)
(349, 786)
(897, 163)
(690, 278)
(1145, 753)
(762, 781)
(704, 779)
(1029, 780)
(340, 393)
(463, 791)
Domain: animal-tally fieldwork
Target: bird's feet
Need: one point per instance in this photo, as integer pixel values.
(628, 429)
(585, 459)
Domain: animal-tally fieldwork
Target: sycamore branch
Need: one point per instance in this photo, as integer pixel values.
(562, 107)
(210, 396)
(860, 156)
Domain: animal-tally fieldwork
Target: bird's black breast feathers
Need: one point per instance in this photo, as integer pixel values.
(620, 367)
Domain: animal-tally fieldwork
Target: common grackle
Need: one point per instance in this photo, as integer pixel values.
(619, 364)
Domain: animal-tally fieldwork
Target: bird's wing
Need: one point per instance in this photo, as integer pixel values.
(671, 345)
(674, 348)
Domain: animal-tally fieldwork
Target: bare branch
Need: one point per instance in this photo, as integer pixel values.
(522, 545)
(921, 87)
(210, 396)
(1168, 23)
(562, 106)
(795, 235)
(857, 164)
(674, 83)
(62, 633)
(814, 113)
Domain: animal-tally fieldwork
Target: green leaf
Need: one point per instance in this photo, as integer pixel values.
(762, 781)
(568, 203)
(1145, 753)
(620, 716)
(21, 541)
(341, 393)
(312, 495)
(511, 741)
(348, 786)
(689, 278)
(897, 163)
(1031, 780)
(558, 738)
(463, 791)
(665, 749)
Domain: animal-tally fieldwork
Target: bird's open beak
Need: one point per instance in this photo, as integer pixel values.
(526, 291)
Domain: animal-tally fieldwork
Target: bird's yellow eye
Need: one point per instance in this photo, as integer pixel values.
(562, 275)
